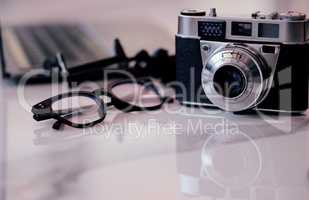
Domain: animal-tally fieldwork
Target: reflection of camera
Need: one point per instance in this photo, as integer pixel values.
(247, 165)
(240, 64)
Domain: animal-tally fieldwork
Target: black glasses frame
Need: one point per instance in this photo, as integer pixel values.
(43, 111)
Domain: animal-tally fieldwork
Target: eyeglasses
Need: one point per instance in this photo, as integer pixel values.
(86, 109)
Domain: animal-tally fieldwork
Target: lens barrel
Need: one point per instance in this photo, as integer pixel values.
(235, 78)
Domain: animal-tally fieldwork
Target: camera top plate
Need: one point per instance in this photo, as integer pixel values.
(285, 28)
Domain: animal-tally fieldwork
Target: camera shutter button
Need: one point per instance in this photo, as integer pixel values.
(213, 12)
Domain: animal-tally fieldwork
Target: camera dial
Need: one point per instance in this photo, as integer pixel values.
(236, 78)
(193, 12)
(292, 16)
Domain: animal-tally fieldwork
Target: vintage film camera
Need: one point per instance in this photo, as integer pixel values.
(241, 64)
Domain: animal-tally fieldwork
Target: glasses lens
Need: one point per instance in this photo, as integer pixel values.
(143, 96)
(78, 109)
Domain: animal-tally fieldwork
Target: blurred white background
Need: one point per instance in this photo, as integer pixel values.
(22, 11)
(127, 19)
(150, 24)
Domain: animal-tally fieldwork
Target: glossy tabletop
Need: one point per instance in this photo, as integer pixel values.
(175, 153)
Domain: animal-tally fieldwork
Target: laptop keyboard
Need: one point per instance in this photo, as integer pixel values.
(29, 46)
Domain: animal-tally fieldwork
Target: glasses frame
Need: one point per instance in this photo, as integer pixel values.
(43, 110)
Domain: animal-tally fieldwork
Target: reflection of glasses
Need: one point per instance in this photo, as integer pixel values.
(86, 109)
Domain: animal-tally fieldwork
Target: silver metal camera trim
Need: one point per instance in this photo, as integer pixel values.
(257, 86)
(290, 32)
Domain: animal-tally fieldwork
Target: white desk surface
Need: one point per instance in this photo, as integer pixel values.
(264, 158)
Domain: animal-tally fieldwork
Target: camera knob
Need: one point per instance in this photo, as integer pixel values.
(256, 14)
(273, 15)
(292, 16)
(213, 12)
(193, 12)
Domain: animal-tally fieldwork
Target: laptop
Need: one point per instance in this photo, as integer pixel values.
(25, 48)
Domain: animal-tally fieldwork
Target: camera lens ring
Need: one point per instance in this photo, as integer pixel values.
(252, 66)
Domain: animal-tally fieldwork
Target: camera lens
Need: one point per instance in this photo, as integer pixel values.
(235, 78)
(229, 81)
